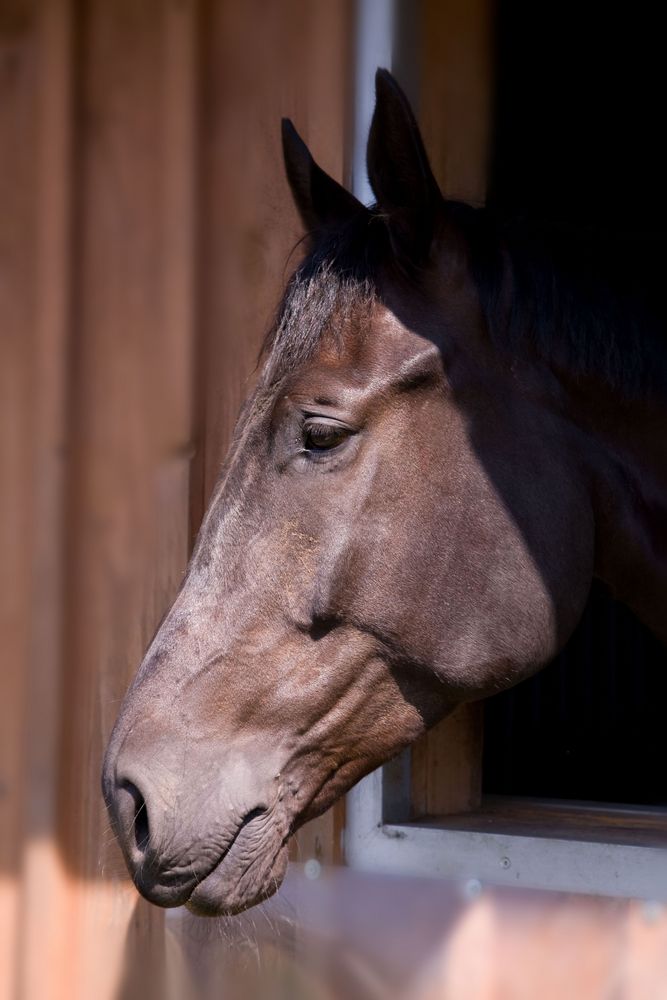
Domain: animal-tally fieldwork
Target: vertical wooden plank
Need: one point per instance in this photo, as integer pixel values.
(454, 112)
(447, 765)
(18, 87)
(296, 64)
(456, 38)
(41, 927)
(108, 527)
(127, 524)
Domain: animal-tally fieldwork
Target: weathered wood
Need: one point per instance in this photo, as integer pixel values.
(42, 926)
(447, 765)
(102, 192)
(19, 88)
(455, 42)
(113, 222)
(550, 946)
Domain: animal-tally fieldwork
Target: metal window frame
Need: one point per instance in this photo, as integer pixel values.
(380, 837)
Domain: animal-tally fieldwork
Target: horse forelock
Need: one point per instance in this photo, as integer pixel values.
(582, 302)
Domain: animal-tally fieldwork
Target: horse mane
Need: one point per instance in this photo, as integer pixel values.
(583, 301)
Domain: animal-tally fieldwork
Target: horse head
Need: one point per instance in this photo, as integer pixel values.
(402, 524)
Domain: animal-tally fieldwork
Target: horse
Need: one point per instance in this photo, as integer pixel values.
(458, 423)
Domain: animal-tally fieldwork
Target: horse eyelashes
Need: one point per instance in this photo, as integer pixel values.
(324, 438)
(321, 435)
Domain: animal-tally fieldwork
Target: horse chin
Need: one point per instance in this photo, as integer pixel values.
(237, 883)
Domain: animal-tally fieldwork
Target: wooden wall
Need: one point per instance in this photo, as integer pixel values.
(145, 230)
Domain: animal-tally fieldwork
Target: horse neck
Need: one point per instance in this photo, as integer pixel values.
(627, 447)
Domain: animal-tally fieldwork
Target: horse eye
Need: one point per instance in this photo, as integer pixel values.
(321, 435)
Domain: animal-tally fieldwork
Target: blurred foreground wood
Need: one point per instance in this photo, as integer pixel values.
(351, 936)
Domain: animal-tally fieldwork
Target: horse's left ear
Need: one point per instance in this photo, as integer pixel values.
(322, 202)
(407, 193)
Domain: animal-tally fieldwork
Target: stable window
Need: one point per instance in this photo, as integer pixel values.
(558, 782)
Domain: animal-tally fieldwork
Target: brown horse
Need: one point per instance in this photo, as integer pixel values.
(457, 425)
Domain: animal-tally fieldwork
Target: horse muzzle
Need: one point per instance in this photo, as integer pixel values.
(206, 842)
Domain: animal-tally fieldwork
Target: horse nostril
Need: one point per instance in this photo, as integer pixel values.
(139, 827)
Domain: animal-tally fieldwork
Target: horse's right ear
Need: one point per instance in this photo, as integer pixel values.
(322, 202)
(407, 193)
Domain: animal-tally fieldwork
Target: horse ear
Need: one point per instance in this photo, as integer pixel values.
(407, 193)
(321, 200)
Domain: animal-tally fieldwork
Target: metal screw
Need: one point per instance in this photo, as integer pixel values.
(652, 911)
(472, 889)
(312, 869)
(505, 863)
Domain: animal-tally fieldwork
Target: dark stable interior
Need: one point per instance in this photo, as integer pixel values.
(578, 139)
